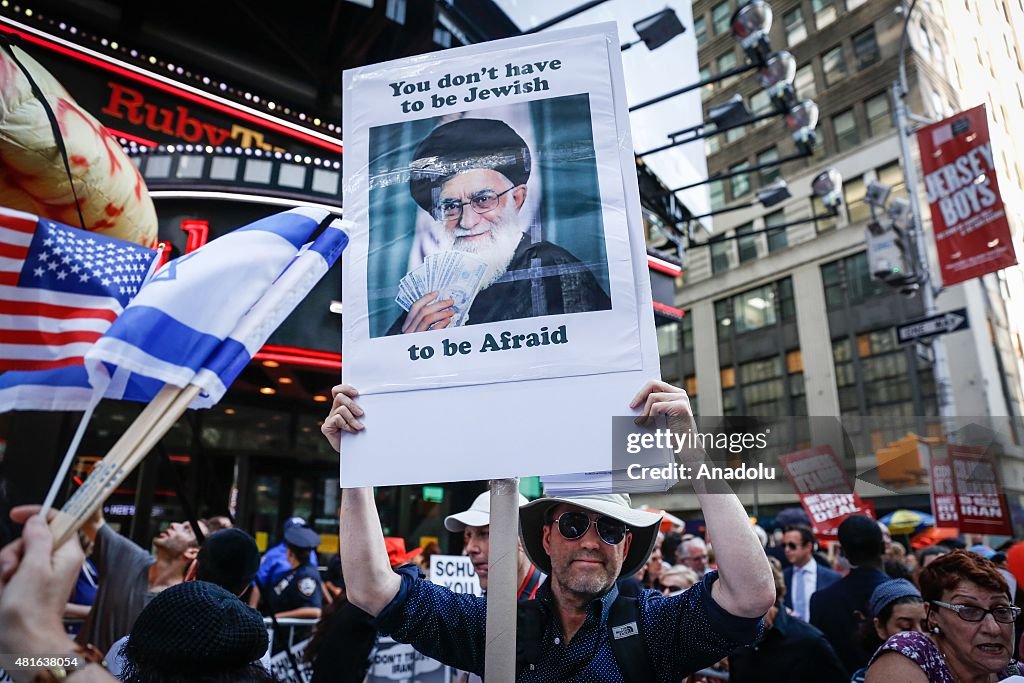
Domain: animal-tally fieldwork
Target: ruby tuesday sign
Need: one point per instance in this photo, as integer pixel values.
(972, 235)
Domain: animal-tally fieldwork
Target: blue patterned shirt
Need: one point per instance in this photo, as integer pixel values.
(682, 634)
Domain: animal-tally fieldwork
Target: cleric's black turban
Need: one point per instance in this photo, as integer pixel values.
(463, 145)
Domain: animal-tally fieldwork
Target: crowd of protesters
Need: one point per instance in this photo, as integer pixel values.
(866, 608)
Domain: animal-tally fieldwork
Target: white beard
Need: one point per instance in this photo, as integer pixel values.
(496, 249)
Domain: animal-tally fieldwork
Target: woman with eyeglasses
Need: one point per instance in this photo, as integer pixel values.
(969, 628)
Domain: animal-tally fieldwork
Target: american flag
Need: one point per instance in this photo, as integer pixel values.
(60, 289)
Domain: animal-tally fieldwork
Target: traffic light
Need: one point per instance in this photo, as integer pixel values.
(890, 252)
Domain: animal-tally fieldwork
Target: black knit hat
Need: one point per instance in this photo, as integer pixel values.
(463, 145)
(228, 558)
(194, 628)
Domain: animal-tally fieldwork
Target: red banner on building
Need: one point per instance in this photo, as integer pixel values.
(972, 235)
(825, 489)
(944, 505)
(981, 504)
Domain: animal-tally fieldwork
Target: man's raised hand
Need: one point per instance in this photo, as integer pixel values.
(344, 415)
(661, 398)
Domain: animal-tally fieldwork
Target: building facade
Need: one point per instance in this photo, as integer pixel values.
(792, 322)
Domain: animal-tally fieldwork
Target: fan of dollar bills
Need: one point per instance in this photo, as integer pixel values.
(454, 275)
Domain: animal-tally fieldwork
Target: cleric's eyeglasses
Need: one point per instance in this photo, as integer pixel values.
(575, 525)
(1004, 614)
(482, 202)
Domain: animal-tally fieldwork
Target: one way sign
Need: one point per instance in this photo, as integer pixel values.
(934, 325)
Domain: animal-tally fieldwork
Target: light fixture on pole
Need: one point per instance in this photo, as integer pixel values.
(828, 187)
(657, 29)
(767, 197)
(750, 26)
(746, 170)
(801, 120)
(777, 77)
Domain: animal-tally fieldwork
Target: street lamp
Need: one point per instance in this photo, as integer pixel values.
(828, 187)
(657, 29)
(776, 78)
(750, 26)
(801, 120)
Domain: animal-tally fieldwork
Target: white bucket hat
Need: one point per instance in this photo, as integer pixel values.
(643, 525)
(478, 514)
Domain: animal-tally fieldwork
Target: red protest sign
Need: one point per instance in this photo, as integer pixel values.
(944, 504)
(825, 490)
(981, 505)
(972, 235)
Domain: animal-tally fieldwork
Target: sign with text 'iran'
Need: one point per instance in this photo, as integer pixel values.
(972, 235)
(981, 505)
(944, 501)
(456, 573)
(825, 489)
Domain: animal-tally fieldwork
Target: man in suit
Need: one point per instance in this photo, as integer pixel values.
(834, 610)
(798, 543)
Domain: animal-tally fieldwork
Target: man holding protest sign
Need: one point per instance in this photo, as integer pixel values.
(586, 543)
(470, 175)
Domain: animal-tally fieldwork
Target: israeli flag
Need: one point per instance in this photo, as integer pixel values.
(202, 317)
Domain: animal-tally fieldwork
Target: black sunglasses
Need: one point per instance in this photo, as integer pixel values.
(574, 526)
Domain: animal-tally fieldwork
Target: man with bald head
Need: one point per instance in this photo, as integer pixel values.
(471, 176)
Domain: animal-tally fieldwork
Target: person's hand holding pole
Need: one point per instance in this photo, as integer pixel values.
(746, 587)
(35, 580)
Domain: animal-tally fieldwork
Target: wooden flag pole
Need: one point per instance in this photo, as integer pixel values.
(138, 440)
(502, 575)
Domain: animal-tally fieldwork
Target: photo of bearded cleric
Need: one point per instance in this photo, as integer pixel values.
(499, 229)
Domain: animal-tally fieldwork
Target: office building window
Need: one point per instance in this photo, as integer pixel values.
(668, 339)
(746, 243)
(700, 30)
(854, 4)
(833, 64)
(776, 238)
(845, 126)
(760, 103)
(712, 145)
(762, 387)
(723, 322)
(735, 134)
(772, 173)
(716, 189)
(892, 175)
(708, 89)
(865, 48)
(826, 222)
(720, 16)
(804, 83)
(724, 63)
(796, 30)
(846, 378)
(720, 256)
(849, 283)
(856, 208)
(739, 185)
(686, 325)
(755, 309)
(824, 12)
(879, 117)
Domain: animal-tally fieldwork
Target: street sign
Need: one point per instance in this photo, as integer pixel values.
(943, 323)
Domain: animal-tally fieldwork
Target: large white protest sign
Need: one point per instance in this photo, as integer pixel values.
(391, 662)
(500, 243)
(456, 573)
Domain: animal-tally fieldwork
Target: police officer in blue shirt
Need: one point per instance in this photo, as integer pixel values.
(297, 593)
